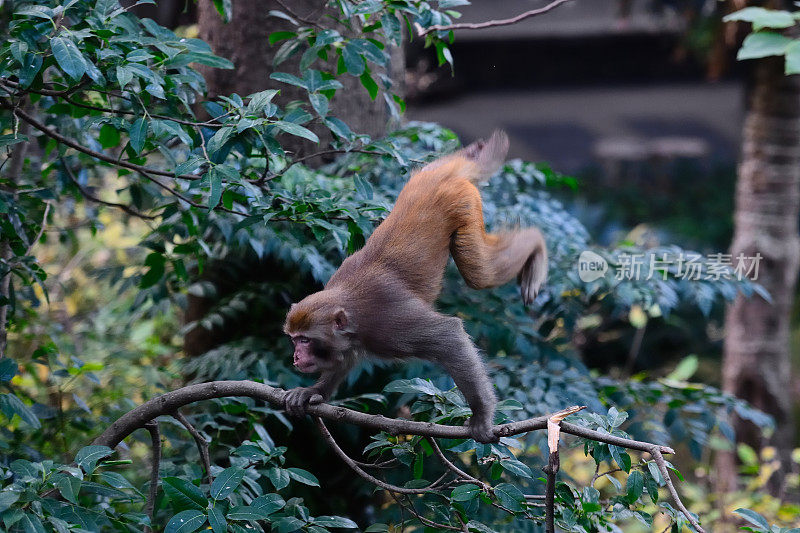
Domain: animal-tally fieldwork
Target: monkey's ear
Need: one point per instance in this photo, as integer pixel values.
(340, 319)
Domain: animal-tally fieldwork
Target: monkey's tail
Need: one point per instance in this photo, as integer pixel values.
(488, 155)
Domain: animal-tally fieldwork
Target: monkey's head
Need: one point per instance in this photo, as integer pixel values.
(321, 332)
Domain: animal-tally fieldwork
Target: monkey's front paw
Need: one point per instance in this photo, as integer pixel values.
(481, 430)
(296, 400)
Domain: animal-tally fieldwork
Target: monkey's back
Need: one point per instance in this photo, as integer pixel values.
(413, 242)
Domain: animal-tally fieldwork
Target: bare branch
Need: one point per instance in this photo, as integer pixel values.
(202, 445)
(492, 23)
(326, 435)
(662, 467)
(155, 437)
(450, 465)
(89, 196)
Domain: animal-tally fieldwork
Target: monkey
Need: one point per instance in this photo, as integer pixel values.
(380, 302)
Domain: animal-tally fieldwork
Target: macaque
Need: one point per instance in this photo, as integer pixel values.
(381, 300)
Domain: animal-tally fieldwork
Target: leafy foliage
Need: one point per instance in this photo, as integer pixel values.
(766, 39)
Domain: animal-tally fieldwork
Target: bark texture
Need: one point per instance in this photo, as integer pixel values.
(756, 365)
(244, 40)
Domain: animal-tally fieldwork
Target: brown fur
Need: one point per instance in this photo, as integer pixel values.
(384, 293)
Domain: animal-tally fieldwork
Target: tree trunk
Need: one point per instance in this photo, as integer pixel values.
(244, 41)
(756, 363)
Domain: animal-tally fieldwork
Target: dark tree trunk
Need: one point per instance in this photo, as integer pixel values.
(244, 40)
(756, 364)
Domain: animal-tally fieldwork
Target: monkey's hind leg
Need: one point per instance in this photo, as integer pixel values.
(488, 260)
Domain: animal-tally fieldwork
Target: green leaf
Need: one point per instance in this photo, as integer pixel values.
(269, 503)
(354, 63)
(297, 130)
(319, 102)
(516, 467)
(754, 518)
(216, 519)
(335, 521)
(218, 140)
(277, 36)
(793, 57)
(635, 486)
(7, 499)
(685, 369)
(214, 177)
(260, 100)
(465, 493)
(762, 18)
(124, 76)
(68, 486)
(8, 369)
(510, 496)
(210, 60)
(88, 456)
(68, 57)
(288, 78)
(138, 134)
(11, 405)
(31, 523)
(339, 128)
(244, 512)
(278, 477)
(31, 64)
(763, 44)
(590, 501)
(287, 525)
(109, 136)
(9, 138)
(369, 84)
(300, 475)
(183, 493)
(186, 522)
(226, 482)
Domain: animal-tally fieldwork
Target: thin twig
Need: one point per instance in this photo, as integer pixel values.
(491, 23)
(89, 196)
(296, 16)
(41, 229)
(202, 445)
(155, 437)
(449, 464)
(326, 435)
(409, 506)
(662, 467)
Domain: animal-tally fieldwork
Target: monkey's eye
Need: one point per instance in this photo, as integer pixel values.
(302, 340)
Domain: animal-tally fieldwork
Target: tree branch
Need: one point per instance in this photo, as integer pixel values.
(202, 445)
(170, 402)
(491, 23)
(326, 435)
(155, 437)
(97, 155)
(89, 196)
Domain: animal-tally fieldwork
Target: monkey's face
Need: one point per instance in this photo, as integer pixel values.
(311, 355)
(320, 335)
